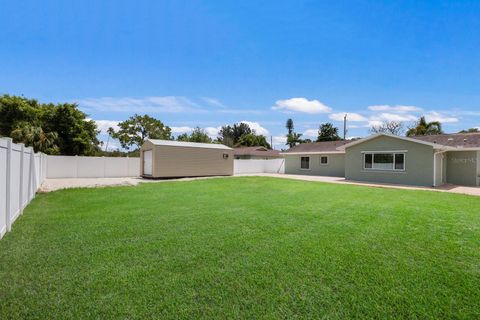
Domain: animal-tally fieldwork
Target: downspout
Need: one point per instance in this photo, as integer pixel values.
(435, 166)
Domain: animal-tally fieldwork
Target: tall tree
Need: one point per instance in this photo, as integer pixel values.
(35, 137)
(50, 128)
(197, 135)
(423, 128)
(289, 126)
(471, 130)
(134, 131)
(230, 135)
(252, 140)
(77, 135)
(16, 110)
(327, 132)
(390, 127)
(293, 138)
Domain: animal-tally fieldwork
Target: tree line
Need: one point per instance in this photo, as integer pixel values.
(328, 132)
(64, 129)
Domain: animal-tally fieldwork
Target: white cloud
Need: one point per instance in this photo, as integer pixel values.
(393, 117)
(279, 140)
(111, 145)
(301, 105)
(257, 127)
(311, 133)
(179, 130)
(167, 104)
(212, 131)
(103, 125)
(214, 102)
(396, 108)
(436, 116)
(350, 116)
(374, 123)
(379, 119)
(240, 111)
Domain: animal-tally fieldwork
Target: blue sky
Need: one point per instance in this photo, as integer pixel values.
(209, 63)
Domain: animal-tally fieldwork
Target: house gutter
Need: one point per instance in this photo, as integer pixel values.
(435, 166)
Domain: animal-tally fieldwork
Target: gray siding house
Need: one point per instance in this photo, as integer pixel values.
(420, 161)
(317, 158)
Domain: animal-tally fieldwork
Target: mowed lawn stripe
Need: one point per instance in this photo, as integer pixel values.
(247, 247)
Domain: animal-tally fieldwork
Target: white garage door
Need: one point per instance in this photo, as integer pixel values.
(147, 162)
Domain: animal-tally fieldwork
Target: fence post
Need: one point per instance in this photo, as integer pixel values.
(33, 175)
(8, 205)
(20, 184)
(76, 166)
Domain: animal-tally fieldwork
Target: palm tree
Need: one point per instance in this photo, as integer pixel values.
(289, 126)
(424, 128)
(293, 139)
(33, 136)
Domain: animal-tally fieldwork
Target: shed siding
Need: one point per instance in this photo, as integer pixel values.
(334, 168)
(173, 161)
(462, 168)
(418, 162)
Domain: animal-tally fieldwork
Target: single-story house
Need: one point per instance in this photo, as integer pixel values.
(257, 152)
(171, 159)
(316, 158)
(421, 160)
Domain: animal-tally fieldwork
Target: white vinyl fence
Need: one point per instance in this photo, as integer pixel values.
(92, 167)
(21, 173)
(259, 166)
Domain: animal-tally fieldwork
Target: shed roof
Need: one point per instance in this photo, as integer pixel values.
(256, 151)
(173, 143)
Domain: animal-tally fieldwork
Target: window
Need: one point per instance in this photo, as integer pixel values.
(225, 156)
(305, 163)
(384, 161)
(324, 160)
(399, 161)
(368, 160)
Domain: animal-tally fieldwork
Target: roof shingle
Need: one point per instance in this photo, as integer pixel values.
(325, 146)
(456, 140)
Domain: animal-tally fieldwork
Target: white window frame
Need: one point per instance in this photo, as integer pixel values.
(394, 153)
(308, 163)
(324, 164)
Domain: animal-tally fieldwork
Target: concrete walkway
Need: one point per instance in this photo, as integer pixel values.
(57, 184)
(474, 191)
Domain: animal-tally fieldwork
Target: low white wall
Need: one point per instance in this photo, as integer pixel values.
(259, 166)
(92, 167)
(21, 173)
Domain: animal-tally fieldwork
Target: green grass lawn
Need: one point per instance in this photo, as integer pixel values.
(248, 247)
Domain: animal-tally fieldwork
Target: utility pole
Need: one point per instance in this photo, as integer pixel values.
(345, 127)
(271, 142)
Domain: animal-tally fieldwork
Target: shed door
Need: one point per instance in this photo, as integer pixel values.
(147, 162)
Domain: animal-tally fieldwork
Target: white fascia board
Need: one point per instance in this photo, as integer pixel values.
(315, 152)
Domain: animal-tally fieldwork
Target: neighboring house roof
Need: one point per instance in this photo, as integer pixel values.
(174, 143)
(317, 147)
(256, 151)
(440, 141)
(373, 136)
(455, 140)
